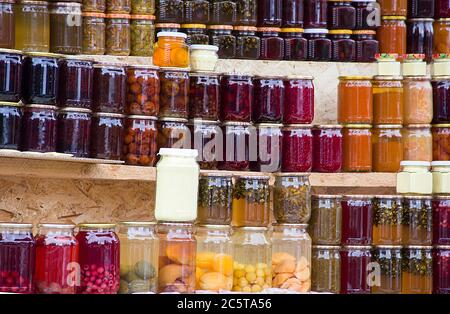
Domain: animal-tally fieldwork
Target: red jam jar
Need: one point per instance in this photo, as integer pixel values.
(421, 8)
(341, 14)
(10, 125)
(139, 144)
(441, 220)
(236, 146)
(441, 270)
(204, 96)
(56, 259)
(268, 99)
(295, 45)
(110, 88)
(315, 14)
(297, 144)
(357, 220)
(367, 45)
(327, 148)
(270, 13)
(99, 259)
(319, 46)
(293, 12)
(74, 131)
(142, 90)
(298, 100)
(272, 45)
(367, 12)
(76, 83)
(107, 136)
(441, 99)
(269, 148)
(419, 33)
(39, 129)
(10, 75)
(174, 93)
(17, 258)
(343, 47)
(354, 261)
(442, 9)
(205, 139)
(237, 97)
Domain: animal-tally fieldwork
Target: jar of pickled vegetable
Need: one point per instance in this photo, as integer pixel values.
(357, 220)
(393, 7)
(441, 142)
(354, 273)
(11, 62)
(215, 258)
(146, 7)
(196, 11)
(420, 37)
(315, 13)
(441, 216)
(367, 12)
(442, 35)
(253, 258)
(110, 91)
(206, 136)
(107, 136)
(367, 45)
(94, 6)
(196, 34)
(326, 269)
(223, 12)
(174, 93)
(177, 255)
(341, 14)
(421, 8)
(142, 90)
(392, 35)
(343, 48)
(355, 104)
(441, 94)
(441, 266)
(417, 220)
(417, 270)
(93, 33)
(269, 99)
(74, 131)
(293, 12)
(387, 219)
(173, 133)
(319, 46)
(99, 259)
(10, 125)
(268, 147)
(56, 259)
(418, 97)
(295, 45)
(327, 148)
(142, 35)
(117, 34)
(248, 44)
(17, 249)
(326, 219)
(272, 45)
(297, 144)
(7, 24)
(222, 37)
(139, 246)
(441, 173)
(65, 28)
(387, 149)
(169, 11)
(442, 9)
(204, 96)
(388, 100)
(236, 139)
(237, 97)
(139, 144)
(270, 13)
(357, 148)
(246, 12)
(39, 129)
(298, 100)
(418, 142)
(389, 260)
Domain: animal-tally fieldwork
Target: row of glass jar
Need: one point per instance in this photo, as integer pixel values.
(416, 8)
(383, 269)
(144, 7)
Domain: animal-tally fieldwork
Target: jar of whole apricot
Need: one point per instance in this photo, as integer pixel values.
(394, 7)
(139, 145)
(392, 34)
(355, 99)
(442, 36)
(357, 147)
(388, 100)
(171, 50)
(441, 142)
(417, 142)
(142, 90)
(418, 95)
(174, 93)
(173, 133)
(387, 147)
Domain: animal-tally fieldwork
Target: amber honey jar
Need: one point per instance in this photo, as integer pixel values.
(387, 148)
(388, 100)
(355, 99)
(392, 34)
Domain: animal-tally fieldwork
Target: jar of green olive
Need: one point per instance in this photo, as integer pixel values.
(326, 269)
(93, 33)
(417, 220)
(143, 7)
(222, 37)
(247, 43)
(326, 219)
(196, 34)
(142, 39)
(118, 34)
(387, 219)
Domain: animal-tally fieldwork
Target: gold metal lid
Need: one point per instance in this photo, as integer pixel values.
(142, 17)
(227, 27)
(203, 26)
(355, 78)
(269, 29)
(419, 247)
(441, 125)
(108, 115)
(292, 30)
(388, 126)
(11, 104)
(153, 118)
(93, 14)
(15, 225)
(56, 226)
(170, 119)
(340, 32)
(245, 28)
(386, 246)
(43, 54)
(364, 32)
(13, 51)
(393, 17)
(39, 106)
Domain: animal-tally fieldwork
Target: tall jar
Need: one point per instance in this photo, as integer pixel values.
(315, 14)
(387, 219)
(204, 96)
(319, 46)
(326, 219)
(367, 46)
(174, 93)
(441, 217)
(417, 142)
(392, 35)
(110, 91)
(357, 220)
(173, 133)
(295, 45)
(268, 147)
(39, 129)
(11, 114)
(247, 12)
(341, 14)
(223, 12)
(326, 269)
(118, 37)
(441, 99)
(327, 148)
(99, 259)
(74, 131)
(142, 90)
(7, 24)
(139, 256)
(142, 35)
(169, 11)
(270, 13)
(272, 45)
(420, 37)
(139, 144)
(421, 8)
(237, 97)
(297, 147)
(393, 7)
(93, 33)
(387, 147)
(355, 104)
(354, 274)
(441, 273)
(269, 95)
(441, 142)
(388, 100)
(417, 270)
(299, 100)
(389, 261)
(417, 220)
(107, 136)
(357, 148)
(65, 28)
(206, 138)
(418, 96)
(248, 44)
(11, 64)
(441, 36)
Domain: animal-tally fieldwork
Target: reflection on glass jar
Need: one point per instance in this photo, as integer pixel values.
(418, 97)
(341, 14)
(269, 148)
(173, 133)
(418, 142)
(7, 24)
(387, 148)
(389, 260)
(355, 103)
(326, 219)
(10, 75)
(327, 148)
(295, 45)
(354, 272)
(319, 46)
(389, 98)
(174, 93)
(222, 37)
(139, 145)
(357, 147)
(392, 35)
(441, 220)
(367, 45)
(299, 100)
(357, 220)
(420, 37)
(10, 125)
(417, 270)
(206, 139)
(237, 97)
(441, 270)
(110, 91)
(223, 12)
(39, 129)
(204, 96)
(441, 99)
(326, 269)
(93, 33)
(272, 45)
(117, 34)
(248, 44)
(387, 219)
(441, 142)
(142, 35)
(74, 131)
(142, 91)
(65, 28)
(297, 145)
(169, 11)
(417, 220)
(107, 136)
(315, 13)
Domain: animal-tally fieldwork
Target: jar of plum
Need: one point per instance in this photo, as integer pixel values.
(204, 96)
(417, 220)
(236, 141)
(357, 211)
(295, 45)
(139, 144)
(420, 37)
(237, 97)
(7, 22)
(142, 90)
(246, 12)
(173, 133)
(393, 7)
(389, 260)
(93, 33)
(327, 148)
(392, 35)
(315, 13)
(441, 218)
(169, 11)
(110, 91)
(270, 13)
(293, 12)
(343, 47)
(441, 96)
(388, 100)
(297, 147)
(269, 99)
(248, 44)
(387, 148)
(174, 93)
(98, 258)
(196, 11)
(142, 35)
(107, 136)
(39, 129)
(354, 273)
(196, 34)
(167, 27)
(206, 138)
(326, 269)
(222, 37)
(441, 36)
(139, 246)
(417, 270)
(355, 104)
(299, 100)
(421, 9)
(74, 131)
(442, 9)
(272, 45)
(357, 148)
(441, 142)
(10, 75)
(118, 37)
(387, 219)
(223, 12)
(441, 273)
(326, 219)
(367, 45)
(367, 12)
(56, 259)
(417, 142)
(10, 125)
(319, 46)
(341, 14)
(65, 27)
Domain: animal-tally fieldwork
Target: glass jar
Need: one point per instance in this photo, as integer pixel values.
(367, 11)
(319, 46)
(236, 137)
(215, 258)
(110, 91)
(441, 218)
(387, 149)
(253, 257)
(355, 104)
(421, 8)
(142, 90)
(341, 14)
(174, 93)
(93, 33)
(326, 219)
(292, 198)
(142, 35)
(107, 136)
(270, 13)
(393, 7)
(215, 196)
(248, 44)
(167, 27)
(367, 45)
(269, 99)
(415, 178)
(246, 12)
(441, 99)
(327, 148)
(343, 47)
(204, 58)
(293, 12)
(204, 96)
(32, 26)
(205, 139)
(222, 37)
(392, 35)
(326, 269)
(40, 78)
(354, 274)
(357, 220)
(299, 100)
(418, 97)
(143, 7)
(297, 145)
(388, 100)
(169, 11)
(387, 219)
(11, 62)
(39, 129)
(357, 140)
(389, 260)
(56, 259)
(139, 144)
(417, 270)
(118, 37)
(7, 24)
(74, 131)
(237, 97)
(173, 133)
(272, 45)
(442, 9)
(268, 148)
(177, 255)
(417, 142)
(441, 36)
(10, 125)
(441, 142)
(291, 257)
(441, 273)
(17, 263)
(196, 34)
(295, 45)
(171, 50)
(440, 171)
(65, 28)
(94, 6)
(223, 12)
(315, 13)
(420, 37)
(99, 259)
(196, 11)
(139, 246)
(417, 220)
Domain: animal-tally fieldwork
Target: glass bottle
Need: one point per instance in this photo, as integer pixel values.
(354, 261)
(247, 12)
(236, 138)
(94, 5)
(326, 269)
(319, 46)
(393, 7)
(326, 219)
(357, 140)
(389, 261)
(387, 148)
(139, 144)
(418, 100)
(10, 125)
(206, 138)
(327, 148)
(196, 34)
(196, 11)
(357, 220)
(167, 27)
(142, 7)
(215, 195)
(173, 133)
(171, 50)
(107, 136)
(11, 64)
(388, 100)
(39, 129)
(387, 219)
(74, 131)
(143, 90)
(442, 9)
(441, 36)
(248, 44)
(65, 28)
(297, 145)
(367, 12)
(417, 220)
(417, 270)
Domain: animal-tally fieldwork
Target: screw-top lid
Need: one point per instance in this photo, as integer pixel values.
(316, 31)
(171, 34)
(413, 163)
(205, 47)
(203, 26)
(178, 152)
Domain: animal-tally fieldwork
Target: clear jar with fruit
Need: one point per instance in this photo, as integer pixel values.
(142, 91)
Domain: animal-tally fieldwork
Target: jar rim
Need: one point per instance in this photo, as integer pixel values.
(364, 32)
(421, 19)
(104, 64)
(78, 58)
(226, 27)
(245, 28)
(415, 163)
(12, 51)
(97, 225)
(388, 246)
(142, 117)
(252, 176)
(441, 163)
(424, 247)
(357, 126)
(65, 4)
(50, 107)
(358, 196)
(253, 228)
(137, 223)
(15, 225)
(442, 197)
(292, 30)
(178, 152)
(200, 121)
(75, 109)
(388, 78)
(11, 104)
(233, 74)
(204, 47)
(144, 67)
(418, 126)
(269, 29)
(217, 227)
(43, 54)
(316, 31)
(172, 34)
(291, 174)
(142, 17)
(440, 77)
(174, 223)
(441, 125)
(327, 196)
(328, 126)
(108, 114)
(299, 77)
(174, 69)
(381, 196)
(340, 32)
(388, 126)
(204, 73)
(297, 126)
(418, 197)
(355, 77)
(277, 224)
(170, 119)
(193, 25)
(442, 247)
(393, 17)
(236, 123)
(56, 225)
(168, 25)
(350, 247)
(93, 14)
(269, 125)
(208, 173)
(326, 247)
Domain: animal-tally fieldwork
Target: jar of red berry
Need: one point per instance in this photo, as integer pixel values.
(98, 258)
(173, 133)
(297, 144)
(269, 143)
(441, 220)
(11, 125)
(110, 88)
(10, 74)
(327, 148)
(295, 45)
(205, 139)
(272, 45)
(139, 144)
(367, 45)
(107, 136)
(17, 258)
(74, 131)
(357, 221)
(441, 269)
(343, 48)
(174, 94)
(298, 100)
(142, 90)
(268, 99)
(354, 274)
(237, 97)
(236, 145)
(204, 96)
(39, 129)
(319, 46)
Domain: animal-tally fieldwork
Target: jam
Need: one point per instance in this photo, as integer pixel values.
(248, 44)
(174, 93)
(441, 99)
(295, 45)
(357, 148)
(441, 270)
(110, 91)
(269, 144)
(392, 35)
(107, 136)
(205, 139)
(343, 47)
(421, 8)
(297, 144)
(299, 100)
(169, 11)
(173, 133)
(7, 24)
(441, 220)
(222, 37)
(367, 45)
(270, 13)
(442, 36)
(74, 132)
(327, 148)
(442, 9)
(142, 91)
(420, 37)
(441, 142)
(223, 12)
(389, 100)
(10, 125)
(387, 148)
(357, 220)
(341, 14)
(354, 261)
(10, 75)
(39, 129)
(139, 144)
(196, 11)
(315, 14)
(268, 99)
(355, 103)
(237, 97)
(236, 141)
(319, 46)
(393, 7)
(247, 11)
(204, 96)
(293, 11)
(367, 12)
(272, 45)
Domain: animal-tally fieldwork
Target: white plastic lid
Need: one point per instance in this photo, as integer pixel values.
(415, 163)
(178, 152)
(440, 164)
(205, 47)
(171, 34)
(316, 31)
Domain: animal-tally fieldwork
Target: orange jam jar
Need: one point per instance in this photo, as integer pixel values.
(388, 100)
(387, 147)
(355, 99)
(442, 36)
(394, 7)
(441, 142)
(357, 147)
(392, 34)
(171, 50)
(417, 142)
